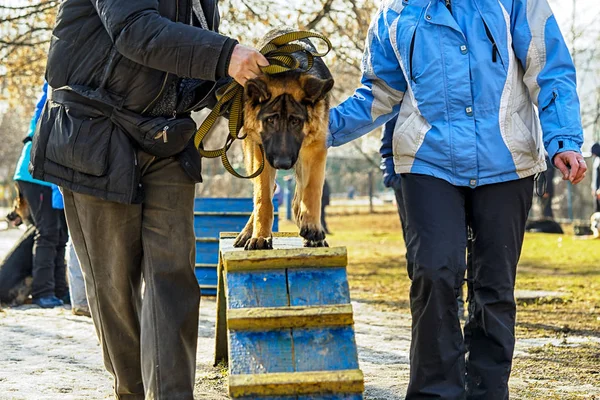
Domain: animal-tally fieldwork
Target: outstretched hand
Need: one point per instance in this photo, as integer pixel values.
(571, 165)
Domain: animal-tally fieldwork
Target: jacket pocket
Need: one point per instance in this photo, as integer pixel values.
(159, 136)
(522, 144)
(80, 139)
(554, 107)
(495, 51)
(409, 136)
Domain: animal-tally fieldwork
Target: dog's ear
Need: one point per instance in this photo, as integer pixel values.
(257, 91)
(315, 89)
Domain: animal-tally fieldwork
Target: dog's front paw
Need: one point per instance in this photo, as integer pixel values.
(242, 238)
(313, 237)
(259, 243)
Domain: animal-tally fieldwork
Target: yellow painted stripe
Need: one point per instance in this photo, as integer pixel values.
(206, 240)
(267, 318)
(226, 213)
(233, 235)
(208, 286)
(292, 383)
(307, 257)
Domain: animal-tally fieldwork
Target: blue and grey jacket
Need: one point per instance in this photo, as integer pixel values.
(390, 178)
(22, 169)
(464, 86)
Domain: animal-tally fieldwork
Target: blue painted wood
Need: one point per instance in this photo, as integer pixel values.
(318, 286)
(216, 215)
(260, 352)
(223, 204)
(207, 253)
(206, 275)
(325, 349)
(257, 289)
(213, 225)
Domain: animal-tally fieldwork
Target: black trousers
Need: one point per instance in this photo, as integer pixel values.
(49, 269)
(438, 216)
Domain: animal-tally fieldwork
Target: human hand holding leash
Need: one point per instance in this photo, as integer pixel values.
(245, 64)
(571, 165)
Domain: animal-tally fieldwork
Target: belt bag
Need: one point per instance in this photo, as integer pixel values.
(158, 136)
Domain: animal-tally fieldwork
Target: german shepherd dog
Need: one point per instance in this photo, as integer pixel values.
(288, 114)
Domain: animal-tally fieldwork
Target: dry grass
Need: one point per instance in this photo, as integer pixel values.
(377, 274)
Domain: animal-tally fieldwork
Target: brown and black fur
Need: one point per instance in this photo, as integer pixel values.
(288, 114)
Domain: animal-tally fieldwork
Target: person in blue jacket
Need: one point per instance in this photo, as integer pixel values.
(49, 286)
(463, 78)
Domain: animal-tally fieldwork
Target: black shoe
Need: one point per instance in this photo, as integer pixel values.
(66, 299)
(48, 302)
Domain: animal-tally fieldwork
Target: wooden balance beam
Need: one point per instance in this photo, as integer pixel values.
(285, 322)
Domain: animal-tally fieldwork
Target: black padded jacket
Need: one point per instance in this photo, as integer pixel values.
(145, 56)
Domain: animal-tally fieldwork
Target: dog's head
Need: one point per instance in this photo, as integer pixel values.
(284, 111)
(20, 212)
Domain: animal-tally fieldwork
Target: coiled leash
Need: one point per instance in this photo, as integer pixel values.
(279, 52)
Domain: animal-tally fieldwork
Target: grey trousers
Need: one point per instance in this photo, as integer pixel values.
(148, 339)
(76, 282)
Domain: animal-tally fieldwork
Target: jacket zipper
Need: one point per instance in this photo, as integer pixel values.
(411, 53)
(162, 88)
(495, 51)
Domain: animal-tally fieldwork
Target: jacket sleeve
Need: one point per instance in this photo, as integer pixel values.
(38, 110)
(383, 86)
(549, 74)
(387, 152)
(141, 34)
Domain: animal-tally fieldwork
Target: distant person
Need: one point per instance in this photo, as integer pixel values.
(548, 194)
(351, 192)
(325, 200)
(596, 175)
(49, 286)
(77, 297)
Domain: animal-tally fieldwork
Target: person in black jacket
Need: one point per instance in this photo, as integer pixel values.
(115, 134)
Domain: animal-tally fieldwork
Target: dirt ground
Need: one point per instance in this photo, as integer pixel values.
(51, 354)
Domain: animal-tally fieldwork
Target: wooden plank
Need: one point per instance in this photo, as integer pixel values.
(256, 289)
(207, 253)
(289, 317)
(212, 226)
(206, 240)
(206, 276)
(315, 382)
(223, 203)
(260, 352)
(325, 349)
(324, 257)
(314, 286)
(232, 235)
(221, 346)
(291, 241)
(337, 396)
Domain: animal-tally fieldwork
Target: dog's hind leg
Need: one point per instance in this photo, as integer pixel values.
(310, 177)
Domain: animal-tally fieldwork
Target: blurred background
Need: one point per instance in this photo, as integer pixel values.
(25, 30)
